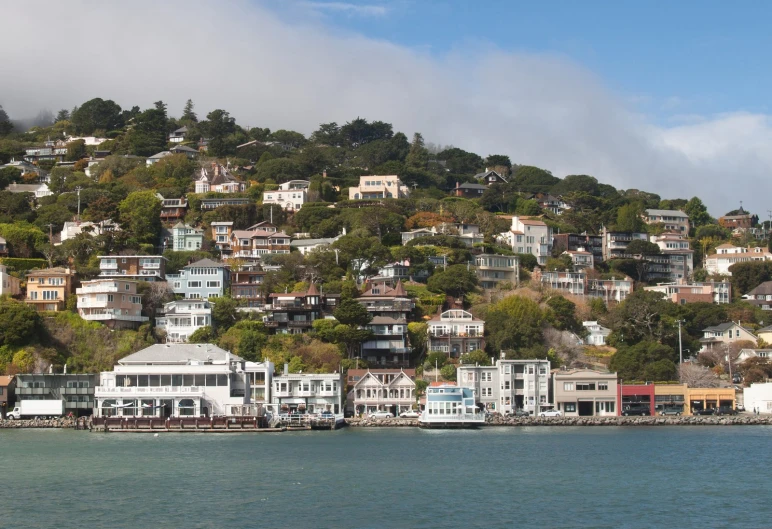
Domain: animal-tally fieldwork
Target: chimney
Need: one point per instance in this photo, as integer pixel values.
(457, 184)
(286, 369)
(324, 173)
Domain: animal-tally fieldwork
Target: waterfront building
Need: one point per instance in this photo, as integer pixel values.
(181, 318)
(138, 267)
(758, 396)
(371, 390)
(77, 391)
(378, 187)
(673, 396)
(259, 378)
(509, 385)
(113, 302)
(307, 392)
(456, 332)
(175, 380)
(7, 392)
(201, 280)
(635, 397)
(450, 406)
(709, 398)
(48, 289)
(585, 392)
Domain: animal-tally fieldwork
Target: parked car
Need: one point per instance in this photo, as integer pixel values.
(634, 410)
(410, 414)
(326, 415)
(381, 415)
(709, 411)
(670, 411)
(551, 413)
(725, 410)
(519, 413)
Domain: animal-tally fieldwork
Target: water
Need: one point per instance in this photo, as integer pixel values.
(603, 477)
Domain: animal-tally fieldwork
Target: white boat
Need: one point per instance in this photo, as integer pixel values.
(449, 406)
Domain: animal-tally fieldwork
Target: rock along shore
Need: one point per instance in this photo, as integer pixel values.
(61, 422)
(729, 420)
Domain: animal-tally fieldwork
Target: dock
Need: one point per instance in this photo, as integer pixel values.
(186, 424)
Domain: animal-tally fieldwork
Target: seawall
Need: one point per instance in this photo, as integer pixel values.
(61, 422)
(728, 420)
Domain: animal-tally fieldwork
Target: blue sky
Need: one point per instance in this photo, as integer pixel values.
(669, 59)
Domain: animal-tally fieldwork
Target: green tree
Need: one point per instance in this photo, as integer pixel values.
(225, 313)
(19, 323)
(76, 150)
(528, 207)
(498, 159)
(218, 126)
(562, 314)
(22, 238)
(187, 113)
(629, 219)
(448, 372)
(640, 247)
(5, 123)
(436, 359)
(476, 357)
(418, 156)
(747, 276)
(454, 281)
(140, 216)
(96, 114)
(203, 335)
(352, 337)
(351, 312)
(62, 115)
(577, 183)
(631, 362)
(698, 213)
(515, 322)
(148, 135)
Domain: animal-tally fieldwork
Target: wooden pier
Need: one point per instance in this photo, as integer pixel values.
(183, 424)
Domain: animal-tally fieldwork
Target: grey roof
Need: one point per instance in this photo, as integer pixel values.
(768, 328)
(472, 186)
(182, 129)
(764, 289)
(208, 263)
(160, 155)
(667, 212)
(24, 188)
(725, 327)
(183, 148)
(386, 320)
(177, 353)
(312, 242)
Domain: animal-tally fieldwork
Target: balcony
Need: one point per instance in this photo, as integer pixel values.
(455, 334)
(283, 393)
(92, 304)
(300, 324)
(108, 266)
(161, 391)
(305, 393)
(97, 289)
(107, 316)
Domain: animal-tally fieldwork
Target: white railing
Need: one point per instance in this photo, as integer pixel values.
(102, 391)
(97, 289)
(111, 316)
(92, 303)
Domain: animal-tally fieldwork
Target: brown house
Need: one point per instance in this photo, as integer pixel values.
(245, 286)
(469, 190)
(173, 209)
(49, 289)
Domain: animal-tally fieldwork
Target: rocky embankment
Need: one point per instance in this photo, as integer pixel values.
(61, 422)
(498, 420)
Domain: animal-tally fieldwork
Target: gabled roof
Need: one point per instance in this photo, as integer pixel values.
(178, 353)
(312, 290)
(485, 174)
(183, 148)
(764, 289)
(206, 263)
(725, 327)
(667, 213)
(159, 155)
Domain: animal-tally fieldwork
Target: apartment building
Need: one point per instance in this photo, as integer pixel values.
(181, 318)
(114, 302)
(492, 269)
(456, 332)
(727, 254)
(200, 280)
(578, 284)
(509, 385)
(246, 284)
(138, 267)
(390, 308)
(378, 187)
(673, 220)
(585, 392)
(307, 392)
(580, 242)
(295, 312)
(77, 391)
(48, 289)
(615, 243)
(529, 236)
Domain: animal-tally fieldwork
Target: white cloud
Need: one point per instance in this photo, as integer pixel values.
(346, 7)
(271, 72)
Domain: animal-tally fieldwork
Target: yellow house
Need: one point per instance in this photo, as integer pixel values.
(671, 396)
(706, 398)
(49, 289)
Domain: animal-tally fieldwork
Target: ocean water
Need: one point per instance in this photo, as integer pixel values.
(604, 477)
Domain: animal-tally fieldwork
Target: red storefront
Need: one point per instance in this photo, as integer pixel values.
(633, 397)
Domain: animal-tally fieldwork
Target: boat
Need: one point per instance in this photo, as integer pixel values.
(450, 406)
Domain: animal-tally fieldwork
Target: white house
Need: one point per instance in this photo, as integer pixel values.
(456, 332)
(288, 199)
(183, 317)
(307, 392)
(39, 190)
(727, 254)
(758, 396)
(157, 157)
(391, 390)
(175, 380)
(9, 285)
(596, 333)
(71, 229)
(178, 136)
(529, 236)
(217, 179)
(305, 246)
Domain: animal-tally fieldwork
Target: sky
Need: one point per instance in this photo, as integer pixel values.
(667, 97)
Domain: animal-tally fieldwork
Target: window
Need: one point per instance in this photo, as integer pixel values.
(212, 284)
(569, 407)
(194, 284)
(585, 386)
(602, 386)
(568, 386)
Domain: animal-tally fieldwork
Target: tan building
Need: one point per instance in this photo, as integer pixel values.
(114, 302)
(377, 187)
(708, 398)
(671, 396)
(49, 289)
(585, 392)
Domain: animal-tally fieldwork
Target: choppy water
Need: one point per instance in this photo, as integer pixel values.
(605, 477)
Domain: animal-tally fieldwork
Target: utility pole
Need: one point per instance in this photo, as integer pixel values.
(680, 345)
(78, 190)
(50, 233)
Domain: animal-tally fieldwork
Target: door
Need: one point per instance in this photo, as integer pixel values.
(586, 409)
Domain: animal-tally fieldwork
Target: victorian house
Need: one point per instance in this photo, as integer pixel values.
(371, 390)
(390, 308)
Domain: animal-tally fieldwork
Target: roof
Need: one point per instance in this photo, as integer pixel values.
(24, 188)
(158, 156)
(223, 223)
(667, 212)
(472, 186)
(183, 148)
(312, 290)
(725, 327)
(182, 129)
(178, 353)
(50, 272)
(386, 320)
(206, 263)
(6, 380)
(312, 242)
(768, 328)
(763, 289)
(532, 222)
(386, 292)
(378, 371)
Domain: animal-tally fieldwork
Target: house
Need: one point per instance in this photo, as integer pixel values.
(40, 190)
(208, 204)
(724, 334)
(139, 267)
(583, 242)
(758, 396)
(746, 354)
(178, 136)
(469, 190)
(761, 296)
(390, 308)
(173, 209)
(7, 392)
(114, 302)
(48, 289)
(70, 230)
(491, 270)
(291, 195)
(566, 282)
(246, 284)
(157, 157)
(371, 390)
(580, 259)
(259, 379)
(9, 285)
(671, 243)
(218, 179)
(455, 332)
(635, 397)
(307, 393)
(741, 221)
(509, 385)
(727, 254)
(378, 187)
(529, 236)
(201, 280)
(295, 312)
(24, 167)
(305, 246)
(181, 318)
(585, 392)
(673, 220)
(77, 391)
(253, 243)
(450, 406)
(615, 243)
(765, 334)
(221, 235)
(175, 380)
(186, 238)
(596, 333)
(551, 203)
(578, 284)
(184, 149)
(490, 177)
(718, 292)
(50, 150)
